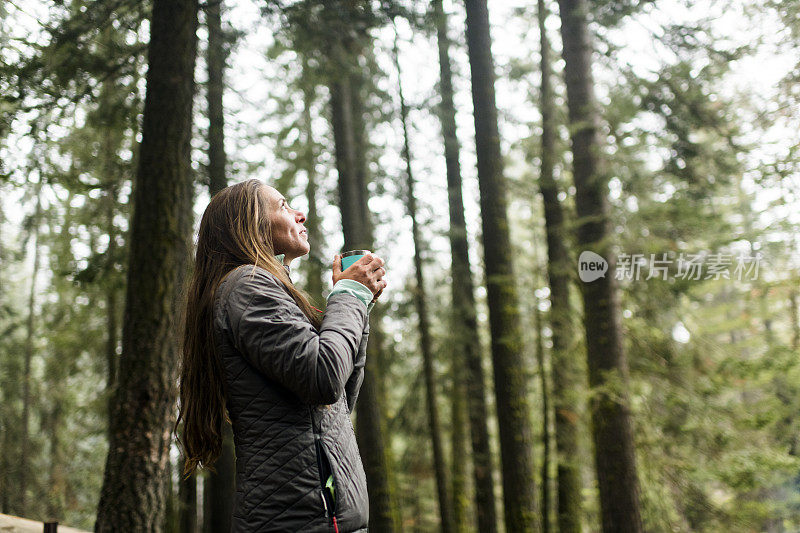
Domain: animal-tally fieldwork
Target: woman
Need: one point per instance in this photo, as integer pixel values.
(287, 374)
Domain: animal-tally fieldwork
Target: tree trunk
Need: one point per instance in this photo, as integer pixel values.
(187, 504)
(5, 461)
(215, 59)
(316, 265)
(468, 348)
(793, 314)
(547, 453)
(358, 235)
(132, 496)
(112, 327)
(24, 446)
(426, 348)
(611, 425)
(510, 373)
(459, 454)
(113, 178)
(56, 481)
(219, 486)
(547, 502)
(567, 380)
(5, 401)
(171, 513)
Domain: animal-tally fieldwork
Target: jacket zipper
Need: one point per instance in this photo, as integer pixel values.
(318, 447)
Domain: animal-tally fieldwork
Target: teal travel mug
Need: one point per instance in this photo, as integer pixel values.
(350, 257)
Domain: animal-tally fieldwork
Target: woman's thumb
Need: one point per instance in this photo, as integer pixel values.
(337, 264)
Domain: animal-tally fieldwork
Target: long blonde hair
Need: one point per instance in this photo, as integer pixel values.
(234, 231)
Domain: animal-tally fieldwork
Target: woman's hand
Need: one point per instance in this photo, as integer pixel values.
(368, 271)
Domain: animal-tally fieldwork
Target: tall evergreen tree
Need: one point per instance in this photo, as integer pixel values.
(347, 122)
(567, 380)
(24, 459)
(510, 375)
(215, 63)
(134, 484)
(220, 484)
(187, 503)
(423, 317)
(615, 459)
(547, 501)
(316, 267)
(358, 235)
(467, 352)
(5, 395)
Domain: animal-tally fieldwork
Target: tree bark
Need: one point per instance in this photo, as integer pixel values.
(510, 373)
(24, 446)
(215, 59)
(5, 461)
(459, 460)
(187, 504)
(547, 453)
(133, 492)
(468, 348)
(356, 234)
(112, 327)
(56, 481)
(567, 380)
(426, 348)
(794, 315)
(357, 229)
(5, 400)
(219, 486)
(171, 513)
(611, 425)
(316, 265)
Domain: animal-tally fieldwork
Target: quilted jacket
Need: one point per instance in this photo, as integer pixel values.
(290, 390)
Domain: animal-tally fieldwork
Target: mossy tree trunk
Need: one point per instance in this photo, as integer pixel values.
(467, 349)
(316, 265)
(187, 504)
(24, 446)
(547, 449)
(215, 61)
(510, 372)
(795, 318)
(218, 487)
(357, 227)
(423, 322)
(567, 379)
(134, 484)
(615, 459)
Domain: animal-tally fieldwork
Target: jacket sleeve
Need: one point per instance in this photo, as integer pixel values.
(273, 334)
(353, 386)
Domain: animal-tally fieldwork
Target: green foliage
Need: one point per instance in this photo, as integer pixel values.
(75, 87)
(89, 43)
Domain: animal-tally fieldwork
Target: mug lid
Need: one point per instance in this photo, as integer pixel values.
(355, 252)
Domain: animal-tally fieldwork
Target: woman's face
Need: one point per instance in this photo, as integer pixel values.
(289, 236)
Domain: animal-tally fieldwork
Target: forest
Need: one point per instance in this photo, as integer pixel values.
(588, 210)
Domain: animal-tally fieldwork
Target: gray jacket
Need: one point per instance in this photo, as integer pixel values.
(290, 391)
